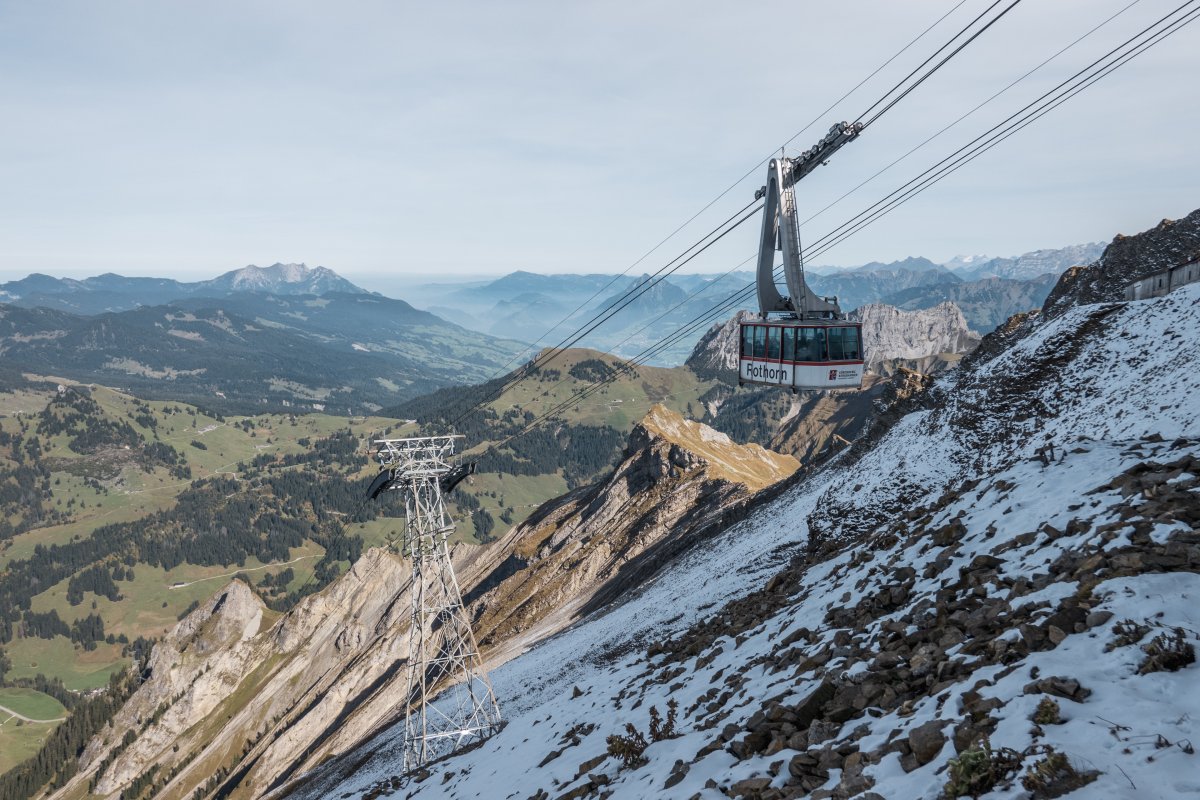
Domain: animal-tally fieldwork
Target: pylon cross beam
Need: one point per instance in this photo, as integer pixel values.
(449, 698)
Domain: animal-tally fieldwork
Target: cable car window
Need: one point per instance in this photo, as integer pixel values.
(835, 344)
(747, 340)
(805, 342)
(789, 344)
(760, 341)
(819, 353)
(773, 343)
(851, 344)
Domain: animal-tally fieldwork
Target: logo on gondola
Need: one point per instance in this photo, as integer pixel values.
(833, 374)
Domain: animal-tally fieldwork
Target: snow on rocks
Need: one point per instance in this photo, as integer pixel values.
(1017, 542)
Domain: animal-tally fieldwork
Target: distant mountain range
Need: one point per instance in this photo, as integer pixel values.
(111, 292)
(1028, 266)
(289, 335)
(342, 352)
(525, 305)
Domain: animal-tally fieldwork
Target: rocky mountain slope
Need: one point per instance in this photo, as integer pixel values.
(990, 594)
(890, 334)
(237, 701)
(1124, 260)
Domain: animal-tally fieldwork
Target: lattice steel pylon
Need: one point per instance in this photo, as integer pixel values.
(444, 659)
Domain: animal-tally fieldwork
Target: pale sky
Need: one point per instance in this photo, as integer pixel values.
(385, 139)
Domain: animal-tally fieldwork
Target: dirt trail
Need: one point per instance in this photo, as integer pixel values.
(235, 572)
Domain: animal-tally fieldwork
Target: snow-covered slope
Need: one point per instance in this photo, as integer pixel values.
(996, 550)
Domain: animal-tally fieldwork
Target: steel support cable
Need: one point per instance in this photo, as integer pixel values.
(651, 281)
(750, 172)
(855, 219)
(1089, 80)
(737, 182)
(972, 111)
(620, 275)
(524, 373)
(682, 302)
(942, 63)
(613, 308)
(714, 241)
(629, 365)
(855, 223)
(931, 57)
(1019, 119)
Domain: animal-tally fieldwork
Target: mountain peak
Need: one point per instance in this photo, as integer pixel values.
(280, 278)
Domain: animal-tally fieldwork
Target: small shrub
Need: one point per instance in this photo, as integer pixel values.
(1127, 632)
(1054, 776)
(1167, 653)
(630, 746)
(1047, 713)
(978, 769)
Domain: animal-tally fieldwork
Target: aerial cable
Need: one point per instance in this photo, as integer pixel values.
(747, 216)
(1040, 106)
(732, 186)
(972, 111)
(934, 55)
(1089, 80)
(714, 241)
(941, 63)
(632, 293)
(682, 302)
(617, 305)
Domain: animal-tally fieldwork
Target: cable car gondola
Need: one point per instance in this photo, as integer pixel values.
(802, 341)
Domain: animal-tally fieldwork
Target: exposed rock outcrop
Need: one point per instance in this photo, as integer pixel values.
(677, 480)
(716, 354)
(241, 699)
(1126, 259)
(890, 334)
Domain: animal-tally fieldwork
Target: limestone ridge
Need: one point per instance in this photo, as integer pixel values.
(677, 479)
(890, 334)
(1126, 259)
(239, 699)
(716, 354)
(235, 698)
